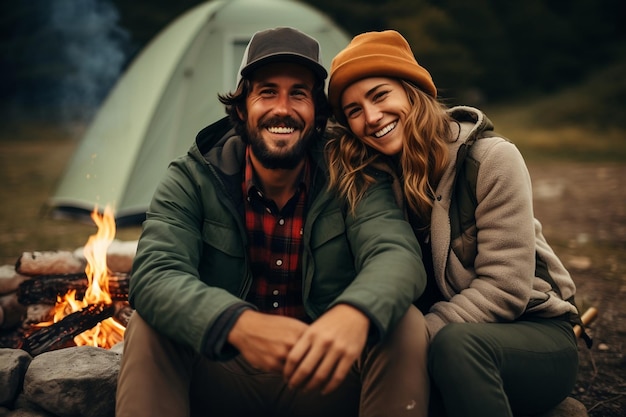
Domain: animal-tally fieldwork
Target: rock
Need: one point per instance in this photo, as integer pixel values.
(13, 365)
(10, 280)
(12, 313)
(569, 407)
(84, 386)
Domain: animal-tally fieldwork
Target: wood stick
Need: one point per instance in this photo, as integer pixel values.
(59, 334)
(46, 288)
(587, 317)
(49, 262)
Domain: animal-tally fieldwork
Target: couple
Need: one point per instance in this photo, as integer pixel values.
(287, 268)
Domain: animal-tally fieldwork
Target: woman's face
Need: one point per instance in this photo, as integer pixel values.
(375, 109)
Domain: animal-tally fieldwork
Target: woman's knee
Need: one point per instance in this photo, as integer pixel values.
(454, 344)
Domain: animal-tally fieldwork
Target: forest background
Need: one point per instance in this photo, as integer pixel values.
(60, 58)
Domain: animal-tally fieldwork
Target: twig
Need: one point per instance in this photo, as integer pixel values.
(607, 401)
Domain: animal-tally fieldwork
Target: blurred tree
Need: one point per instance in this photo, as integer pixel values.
(59, 58)
(481, 65)
(475, 49)
(492, 48)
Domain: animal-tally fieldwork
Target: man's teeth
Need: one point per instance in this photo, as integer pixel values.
(281, 130)
(386, 129)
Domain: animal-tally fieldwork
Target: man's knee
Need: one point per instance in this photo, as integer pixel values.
(410, 334)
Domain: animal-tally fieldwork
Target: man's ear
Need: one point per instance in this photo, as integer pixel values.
(241, 114)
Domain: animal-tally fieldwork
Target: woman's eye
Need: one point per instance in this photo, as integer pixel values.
(379, 96)
(353, 113)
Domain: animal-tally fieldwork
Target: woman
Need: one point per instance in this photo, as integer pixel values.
(499, 303)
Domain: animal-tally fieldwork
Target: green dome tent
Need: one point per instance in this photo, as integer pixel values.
(166, 96)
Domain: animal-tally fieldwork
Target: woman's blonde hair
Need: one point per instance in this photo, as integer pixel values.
(423, 159)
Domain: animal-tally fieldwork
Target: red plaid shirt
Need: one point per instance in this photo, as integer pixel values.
(275, 238)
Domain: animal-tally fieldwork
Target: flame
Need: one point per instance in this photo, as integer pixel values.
(107, 332)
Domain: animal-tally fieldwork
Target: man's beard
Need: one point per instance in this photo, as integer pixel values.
(282, 159)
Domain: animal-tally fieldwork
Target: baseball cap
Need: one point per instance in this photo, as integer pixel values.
(281, 44)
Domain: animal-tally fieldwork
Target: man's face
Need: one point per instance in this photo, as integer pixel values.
(281, 114)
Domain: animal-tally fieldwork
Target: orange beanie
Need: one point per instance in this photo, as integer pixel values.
(375, 54)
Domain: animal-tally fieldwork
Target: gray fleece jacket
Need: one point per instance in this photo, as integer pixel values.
(498, 282)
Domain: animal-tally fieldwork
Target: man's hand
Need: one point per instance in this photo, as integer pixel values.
(265, 340)
(322, 357)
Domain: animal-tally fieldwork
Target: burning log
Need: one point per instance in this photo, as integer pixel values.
(36, 313)
(49, 262)
(78, 298)
(63, 332)
(46, 289)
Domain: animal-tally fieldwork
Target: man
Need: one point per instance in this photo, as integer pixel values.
(255, 293)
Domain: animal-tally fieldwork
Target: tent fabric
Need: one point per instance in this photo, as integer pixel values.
(166, 96)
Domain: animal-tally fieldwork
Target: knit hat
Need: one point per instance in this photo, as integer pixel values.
(282, 44)
(375, 54)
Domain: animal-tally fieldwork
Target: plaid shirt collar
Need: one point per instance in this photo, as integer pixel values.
(251, 181)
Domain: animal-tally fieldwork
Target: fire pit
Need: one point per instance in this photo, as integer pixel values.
(69, 298)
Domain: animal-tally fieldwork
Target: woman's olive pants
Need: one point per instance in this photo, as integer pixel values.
(502, 369)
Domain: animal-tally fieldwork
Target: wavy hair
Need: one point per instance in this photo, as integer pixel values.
(422, 162)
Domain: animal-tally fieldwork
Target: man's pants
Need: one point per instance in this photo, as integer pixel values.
(159, 377)
(502, 369)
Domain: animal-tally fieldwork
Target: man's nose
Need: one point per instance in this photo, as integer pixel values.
(282, 104)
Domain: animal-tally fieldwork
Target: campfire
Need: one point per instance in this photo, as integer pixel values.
(86, 308)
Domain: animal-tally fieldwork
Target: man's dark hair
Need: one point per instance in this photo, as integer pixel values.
(234, 101)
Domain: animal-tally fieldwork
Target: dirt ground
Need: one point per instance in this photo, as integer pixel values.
(582, 207)
(583, 210)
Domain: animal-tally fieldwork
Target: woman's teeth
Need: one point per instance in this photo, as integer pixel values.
(382, 132)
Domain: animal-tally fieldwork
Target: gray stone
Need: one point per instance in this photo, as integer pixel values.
(76, 381)
(569, 407)
(13, 366)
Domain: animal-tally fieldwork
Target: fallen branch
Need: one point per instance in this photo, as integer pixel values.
(596, 405)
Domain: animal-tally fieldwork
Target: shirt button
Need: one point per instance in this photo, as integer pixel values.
(281, 221)
(279, 262)
(275, 292)
(275, 304)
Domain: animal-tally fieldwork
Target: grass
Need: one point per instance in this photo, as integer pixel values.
(583, 123)
(32, 160)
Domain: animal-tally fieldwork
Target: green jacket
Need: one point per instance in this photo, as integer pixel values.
(192, 263)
